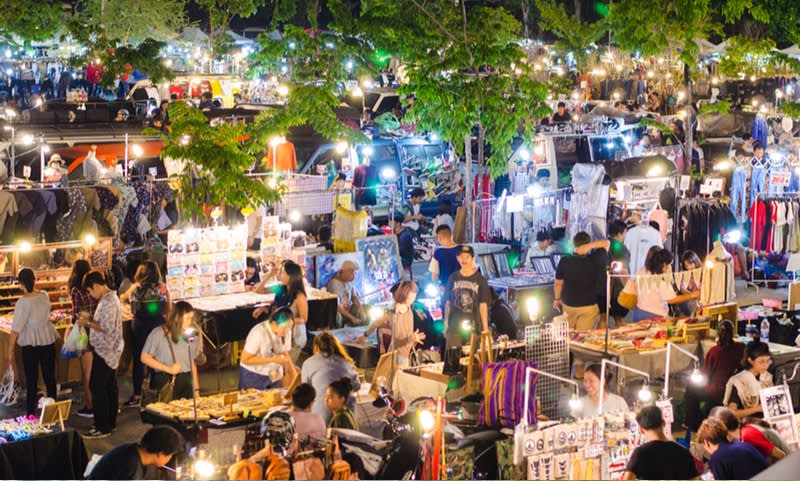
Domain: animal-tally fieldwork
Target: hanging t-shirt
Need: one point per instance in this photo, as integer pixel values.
(285, 157)
(639, 240)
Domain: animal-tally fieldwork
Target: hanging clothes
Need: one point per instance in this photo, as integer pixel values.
(700, 223)
(588, 209)
(739, 193)
(639, 240)
(285, 157)
(760, 130)
(718, 281)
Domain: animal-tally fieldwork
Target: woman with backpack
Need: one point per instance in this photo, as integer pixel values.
(149, 302)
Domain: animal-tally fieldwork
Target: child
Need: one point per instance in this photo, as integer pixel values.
(308, 425)
(335, 398)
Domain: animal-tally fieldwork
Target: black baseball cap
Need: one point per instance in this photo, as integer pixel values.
(466, 249)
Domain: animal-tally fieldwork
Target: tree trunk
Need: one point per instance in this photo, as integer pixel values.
(577, 10)
(526, 18)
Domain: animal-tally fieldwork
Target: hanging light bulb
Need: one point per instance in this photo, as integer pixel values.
(575, 403)
(644, 394)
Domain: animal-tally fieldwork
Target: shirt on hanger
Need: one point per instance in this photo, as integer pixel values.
(639, 240)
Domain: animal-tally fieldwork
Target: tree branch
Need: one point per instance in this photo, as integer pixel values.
(435, 21)
(464, 24)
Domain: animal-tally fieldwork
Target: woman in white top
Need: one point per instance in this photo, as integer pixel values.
(34, 332)
(653, 298)
(590, 403)
(264, 361)
(742, 391)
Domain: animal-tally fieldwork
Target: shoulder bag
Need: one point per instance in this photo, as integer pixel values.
(163, 394)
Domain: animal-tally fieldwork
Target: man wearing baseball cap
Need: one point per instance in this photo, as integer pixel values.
(468, 297)
(351, 311)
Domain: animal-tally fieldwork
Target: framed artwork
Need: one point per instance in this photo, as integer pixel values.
(381, 269)
(542, 264)
(489, 270)
(329, 264)
(503, 268)
(779, 412)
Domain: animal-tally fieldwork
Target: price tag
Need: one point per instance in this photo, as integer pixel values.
(685, 180)
(26, 171)
(780, 178)
(230, 399)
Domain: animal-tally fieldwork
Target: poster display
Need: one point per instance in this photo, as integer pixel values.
(381, 267)
(206, 262)
(327, 265)
(779, 412)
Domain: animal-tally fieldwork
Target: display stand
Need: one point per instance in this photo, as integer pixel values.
(55, 413)
(764, 196)
(485, 353)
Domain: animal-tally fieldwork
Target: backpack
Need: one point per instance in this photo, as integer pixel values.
(148, 303)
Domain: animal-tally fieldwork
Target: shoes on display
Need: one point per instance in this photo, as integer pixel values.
(85, 413)
(95, 434)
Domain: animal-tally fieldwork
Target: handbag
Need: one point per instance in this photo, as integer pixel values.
(626, 298)
(164, 393)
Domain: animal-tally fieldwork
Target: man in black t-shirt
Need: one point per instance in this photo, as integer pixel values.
(659, 457)
(128, 461)
(561, 115)
(468, 297)
(580, 283)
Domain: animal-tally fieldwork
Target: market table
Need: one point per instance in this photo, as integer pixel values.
(229, 317)
(67, 371)
(59, 455)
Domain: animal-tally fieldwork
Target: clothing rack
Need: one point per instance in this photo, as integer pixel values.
(683, 202)
(765, 197)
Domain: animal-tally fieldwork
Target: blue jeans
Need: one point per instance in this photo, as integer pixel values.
(249, 379)
(739, 193)
(757, 180)
(642, 315)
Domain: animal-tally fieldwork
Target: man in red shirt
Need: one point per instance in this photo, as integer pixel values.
(747, 433)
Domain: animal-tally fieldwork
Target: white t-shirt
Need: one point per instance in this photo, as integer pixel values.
(262, 342)
(639, 240)
(652, 296)
(612, 404)
(443, 219)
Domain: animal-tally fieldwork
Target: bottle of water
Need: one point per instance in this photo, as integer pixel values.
(765, 330)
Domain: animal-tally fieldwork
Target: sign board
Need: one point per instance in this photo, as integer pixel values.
(780, 178)
(711, 185)
(773, 303)
(685, 181)
(26, 171)
(668, 415)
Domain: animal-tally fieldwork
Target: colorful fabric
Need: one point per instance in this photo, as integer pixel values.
(503, 388)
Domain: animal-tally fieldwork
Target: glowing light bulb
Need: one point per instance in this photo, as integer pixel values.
(426, 420)
(645, 395)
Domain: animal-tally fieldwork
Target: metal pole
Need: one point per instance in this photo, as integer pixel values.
(671, 346)
(13, 151)
(468, 185)
(603, 378)
(41, 159)
(125, 161)
(608, 305)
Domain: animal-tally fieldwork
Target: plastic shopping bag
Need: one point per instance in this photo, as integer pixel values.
(76, 342)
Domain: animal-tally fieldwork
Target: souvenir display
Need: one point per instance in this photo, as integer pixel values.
(206, 262)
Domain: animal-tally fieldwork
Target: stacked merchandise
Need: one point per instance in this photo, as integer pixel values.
(245, 403)
(597, 448)
(206, 262)
(18, 429)
(635, 337)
